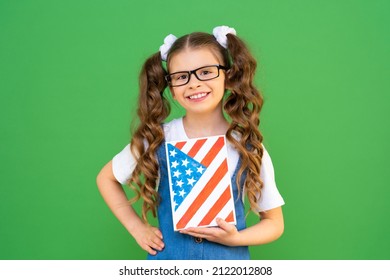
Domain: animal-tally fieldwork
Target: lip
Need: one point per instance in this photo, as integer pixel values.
(198, 96)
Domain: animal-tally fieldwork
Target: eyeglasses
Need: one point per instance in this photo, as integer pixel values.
(204, 73)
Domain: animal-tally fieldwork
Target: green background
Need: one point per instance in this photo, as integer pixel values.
(68, 89)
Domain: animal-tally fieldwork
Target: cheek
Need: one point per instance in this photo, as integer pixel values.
(177, 92)
(172, 92)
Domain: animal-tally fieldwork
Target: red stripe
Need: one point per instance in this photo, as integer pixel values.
(217, 207)
(213, 152)
(196, 147)
(180, 145)
(202, 196)
(230, 217)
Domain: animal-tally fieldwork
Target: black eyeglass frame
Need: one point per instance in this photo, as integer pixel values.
(168, 77)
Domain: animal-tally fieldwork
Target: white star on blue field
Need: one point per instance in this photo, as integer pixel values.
(184, 173)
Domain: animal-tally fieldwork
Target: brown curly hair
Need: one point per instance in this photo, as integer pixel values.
(242, 106)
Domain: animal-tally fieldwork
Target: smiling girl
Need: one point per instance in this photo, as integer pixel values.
(210, 76)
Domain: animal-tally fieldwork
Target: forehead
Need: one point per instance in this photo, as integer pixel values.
(189, 59)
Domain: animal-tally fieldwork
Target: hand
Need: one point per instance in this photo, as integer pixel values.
(226, 234)
(149, 238)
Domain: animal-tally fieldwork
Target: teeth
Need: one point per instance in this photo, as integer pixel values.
(199, 95)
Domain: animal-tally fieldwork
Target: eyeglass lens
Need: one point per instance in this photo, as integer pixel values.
(202, 74)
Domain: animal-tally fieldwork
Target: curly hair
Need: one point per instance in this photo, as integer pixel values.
(242, 105)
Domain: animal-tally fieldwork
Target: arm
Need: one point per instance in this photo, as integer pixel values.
(149, 238)
(270, 228)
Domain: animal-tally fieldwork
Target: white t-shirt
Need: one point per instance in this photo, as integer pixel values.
(123, 165)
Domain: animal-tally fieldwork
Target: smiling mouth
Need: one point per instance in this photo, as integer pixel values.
(198, 95)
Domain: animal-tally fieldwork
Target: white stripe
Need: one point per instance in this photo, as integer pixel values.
(210, 201)
(187, 146)
(210, 141)
(229, 207)
(205, 149)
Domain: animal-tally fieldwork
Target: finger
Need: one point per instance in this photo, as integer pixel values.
(149, 250)
(198, 235)
(157, 244)
(199, 232)
(152, 242)
(151, 246)
(192, 232)
(224, 225)
(202, 230)
(157, 232)
(157, 239)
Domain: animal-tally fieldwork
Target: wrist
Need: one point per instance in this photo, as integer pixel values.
(134, 226)
(237, 239)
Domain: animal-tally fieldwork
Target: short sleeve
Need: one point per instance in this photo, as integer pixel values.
(123, 165)
(270, 197)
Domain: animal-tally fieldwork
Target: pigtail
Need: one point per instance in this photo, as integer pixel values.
(243, 105)
(153, 109)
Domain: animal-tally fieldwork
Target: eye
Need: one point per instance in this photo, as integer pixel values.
(179, 76)
(207, 72)
(182, 77)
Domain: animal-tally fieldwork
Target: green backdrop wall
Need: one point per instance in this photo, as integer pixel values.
(68, 85)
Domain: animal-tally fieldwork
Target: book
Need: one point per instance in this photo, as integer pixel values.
(199, 182)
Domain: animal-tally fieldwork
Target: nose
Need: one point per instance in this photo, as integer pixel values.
(193, 80)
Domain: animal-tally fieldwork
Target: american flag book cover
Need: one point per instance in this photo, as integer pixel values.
(199, 182)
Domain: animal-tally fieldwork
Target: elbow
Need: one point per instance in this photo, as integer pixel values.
(279, 227)
(275, 221)
(279, 224)
(280, 230)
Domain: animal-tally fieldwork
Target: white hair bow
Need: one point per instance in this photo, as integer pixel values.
(168, 42)
(220, 33)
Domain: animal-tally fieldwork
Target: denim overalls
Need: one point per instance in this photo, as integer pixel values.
(185, 247)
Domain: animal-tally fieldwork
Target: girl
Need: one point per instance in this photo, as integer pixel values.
(210, 76)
